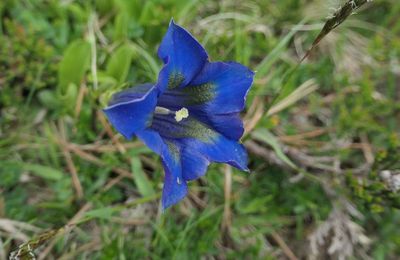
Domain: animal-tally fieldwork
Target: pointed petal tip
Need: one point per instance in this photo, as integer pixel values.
(252, 73)
(106, 112)
(240, 167)
(248, 171)
(172, 199)
(163, 208)
(173, 26)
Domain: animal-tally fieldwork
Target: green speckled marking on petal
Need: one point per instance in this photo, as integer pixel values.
(196, 129)
(187, 128)
(175, 80)
(174, 150)
(193, 95)
(200, 94)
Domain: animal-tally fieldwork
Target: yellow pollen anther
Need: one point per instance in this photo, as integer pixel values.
(181, 114)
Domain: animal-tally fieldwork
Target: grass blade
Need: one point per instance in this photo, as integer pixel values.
(337, 18)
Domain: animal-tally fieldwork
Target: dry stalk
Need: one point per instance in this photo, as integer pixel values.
(226, 222)
(282, 244)
(70, 163)
(335, 20)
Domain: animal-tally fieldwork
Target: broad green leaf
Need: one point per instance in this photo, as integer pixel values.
(70, 96)
(121, 26)
(75, 62)
(43, 171)
(126, 27)
(48, 98)
(265, 136)
(105, 81)
(147, 13)
(141, 180)
(119, 63)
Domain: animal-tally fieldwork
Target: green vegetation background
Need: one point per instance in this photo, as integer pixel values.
(324, 159)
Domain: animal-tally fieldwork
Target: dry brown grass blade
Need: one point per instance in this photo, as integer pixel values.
(367, 149)
(337, 18)
(79, 101)
(2, 250)
(93, 159)
(16, 229)
(282, 244)
(300, 92)
(105, 148)
(70, 163)
(305, 135)
(88, 247)
(67, 227)
(226, 222)
(254, 115)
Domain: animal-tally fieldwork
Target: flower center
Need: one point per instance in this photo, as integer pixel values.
(179, 115)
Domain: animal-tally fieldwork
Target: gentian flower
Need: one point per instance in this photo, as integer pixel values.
(190, 117)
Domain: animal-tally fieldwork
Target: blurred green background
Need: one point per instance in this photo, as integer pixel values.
(325, 158)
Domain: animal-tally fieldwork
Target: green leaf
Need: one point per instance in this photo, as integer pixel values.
(147, 13)
(43, 171)
(48, 99)
(75, 62)
(265, 136)
(139, 150)
(121, 26)
(142, 182)
(119, 63)
(104, 6)
(69, 97)
(265, 65)
(102, 213)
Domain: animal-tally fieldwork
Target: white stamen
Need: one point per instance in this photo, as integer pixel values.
(181, 114)
(163, 111)
(178, 180)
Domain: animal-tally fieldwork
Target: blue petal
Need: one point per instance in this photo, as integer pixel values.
(169, 150)
(131, 110)
(228, 84)
(215, 97)
(194, 134)
(194, 165)
(220, 88)
(182, 55)
(130, 94)
(229, 125)
(173, 191)
(175, 187)
(220, 149)
(152, 139)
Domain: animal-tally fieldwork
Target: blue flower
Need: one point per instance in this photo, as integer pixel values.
(190, 117)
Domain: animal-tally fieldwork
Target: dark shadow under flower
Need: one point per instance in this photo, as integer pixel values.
(190, 117)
